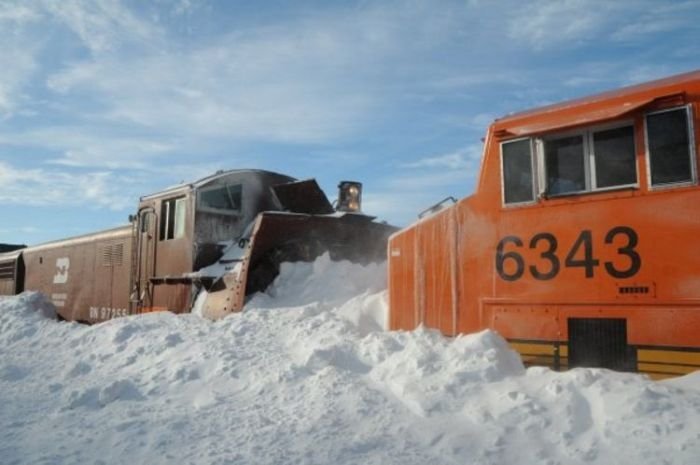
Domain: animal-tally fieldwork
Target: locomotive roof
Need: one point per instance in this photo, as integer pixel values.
(113, 233)
(213, 177)
(598, 107)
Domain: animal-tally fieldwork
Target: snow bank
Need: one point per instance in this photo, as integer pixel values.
(307, 375)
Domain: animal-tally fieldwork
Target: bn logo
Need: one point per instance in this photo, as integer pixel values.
(61, 276)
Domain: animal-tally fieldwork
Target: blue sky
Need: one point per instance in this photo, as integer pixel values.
(102, 101)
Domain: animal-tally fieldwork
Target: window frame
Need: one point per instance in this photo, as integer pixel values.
(691, 150)
(589, 155)
(167, 213)
(221, 211)
(535, 176)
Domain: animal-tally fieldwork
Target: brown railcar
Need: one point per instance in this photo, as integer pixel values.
(173, 248)
(86, 277)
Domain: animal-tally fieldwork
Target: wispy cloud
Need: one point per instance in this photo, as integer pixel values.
(311, 80)
(41, 187)
(17, 67)
(18, 58)
(421, 184)
(466, 158)
(82, 149)
(102, 25)
(654, 18)
(17, 12)
(547, 23)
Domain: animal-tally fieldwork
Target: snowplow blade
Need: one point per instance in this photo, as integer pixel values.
(290, 237)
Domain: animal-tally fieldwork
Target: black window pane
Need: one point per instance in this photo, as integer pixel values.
(614, 157)
(669, 147)
(517, 171)
(564, 165)
(223, 198)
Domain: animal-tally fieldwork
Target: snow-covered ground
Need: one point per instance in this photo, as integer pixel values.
(307, 375)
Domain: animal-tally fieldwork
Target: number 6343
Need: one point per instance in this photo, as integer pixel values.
(580, 255)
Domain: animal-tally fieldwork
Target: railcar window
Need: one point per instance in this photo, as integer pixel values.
(144, 223)
(180, 216)
(614, 157)
(221, 199)
(591, 160)
(172, 218)
(517, 171)
(564, 164)
(668, 139)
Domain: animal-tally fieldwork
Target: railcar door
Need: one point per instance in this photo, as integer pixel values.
(143, 268)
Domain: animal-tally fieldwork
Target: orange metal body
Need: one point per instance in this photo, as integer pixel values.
(443, 269)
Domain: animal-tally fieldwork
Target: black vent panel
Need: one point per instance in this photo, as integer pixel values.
(600, 343)
(113, 254)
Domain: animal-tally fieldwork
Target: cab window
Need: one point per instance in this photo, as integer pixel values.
(669, 147)
(590, 160)
(221, 199)
(516, 158)
(172, 218)
(565, 165)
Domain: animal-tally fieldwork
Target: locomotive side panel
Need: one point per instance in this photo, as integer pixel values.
(111, 270)
(403, 281)
(437, 270)
(76, 275)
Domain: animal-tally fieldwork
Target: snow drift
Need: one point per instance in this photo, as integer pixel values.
(306, 374)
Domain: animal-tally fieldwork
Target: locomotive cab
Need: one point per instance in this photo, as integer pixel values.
(228, 233)
(185, 228)
(579, 245)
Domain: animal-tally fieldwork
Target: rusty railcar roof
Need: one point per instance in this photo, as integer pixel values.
(114, 233)
(10, 256)
(213, 177)
(598, 107)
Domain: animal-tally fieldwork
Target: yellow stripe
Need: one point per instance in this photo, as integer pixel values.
(669, 356)
(670, 369)
(660, 376)
(563, 350)
(534, 360)
(533, 349)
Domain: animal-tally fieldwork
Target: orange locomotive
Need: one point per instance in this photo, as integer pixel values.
(580, 244)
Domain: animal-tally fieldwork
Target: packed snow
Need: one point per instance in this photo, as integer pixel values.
(308, 374)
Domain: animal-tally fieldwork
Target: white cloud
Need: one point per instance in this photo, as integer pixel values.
(101, 25)
(423, 183)
(466, 158)
(657, 18)
(545, 23)
(400, 199)
(284, 85)
(315, 78)
(84, 149)
(40, 187)
(17, 67)
(17, 12)
(18, 57)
